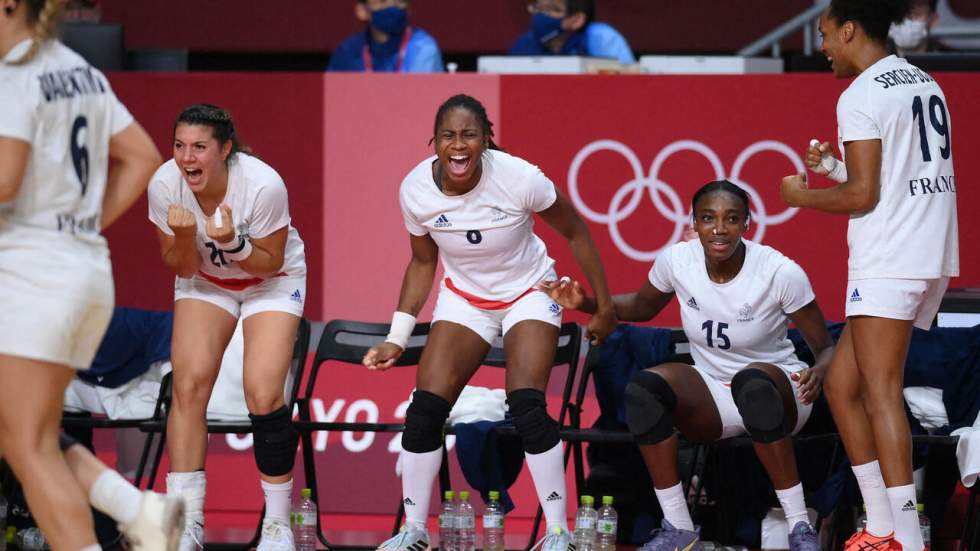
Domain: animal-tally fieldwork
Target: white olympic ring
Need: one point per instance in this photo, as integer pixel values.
(655, 187)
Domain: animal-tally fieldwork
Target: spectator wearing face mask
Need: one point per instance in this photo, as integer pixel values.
(388, 44)
(567, 27)
(911, 36)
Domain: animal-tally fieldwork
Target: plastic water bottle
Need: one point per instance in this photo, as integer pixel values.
(924, 526)
(30, 539)
(465, 524)
(304, 522)
(606, 526)
(493, 524)
(447, 522)
(585, 521)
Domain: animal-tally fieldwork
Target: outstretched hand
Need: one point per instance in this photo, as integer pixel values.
(567, 293)
(382, 356)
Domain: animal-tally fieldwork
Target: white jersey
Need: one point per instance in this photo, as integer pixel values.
(259, 205)
(733, 324)
(66, 110)
(486, 240)
(911, 233)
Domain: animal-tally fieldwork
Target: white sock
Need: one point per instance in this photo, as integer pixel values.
(793, 505)
(674, 506)
(115, 496)
(191, 487)
(277, 500)
(880, 522)
(548, 473)
(907, 532)
(93, 547)
(419, 471)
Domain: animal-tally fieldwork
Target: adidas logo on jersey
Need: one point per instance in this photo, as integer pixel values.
(693, 303)
(855, 296)
(554, 309)
(443, 222)
(498, 214)
(408, 501)
(296, 296)
(554, 496)
(909, 506)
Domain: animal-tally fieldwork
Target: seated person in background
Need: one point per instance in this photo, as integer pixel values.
(911, 36)
(566, 27)
(388, 44)
(737, 300)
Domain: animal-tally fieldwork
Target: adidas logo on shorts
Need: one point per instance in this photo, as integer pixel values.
(855, 296)
(296, 296)
(553, 497)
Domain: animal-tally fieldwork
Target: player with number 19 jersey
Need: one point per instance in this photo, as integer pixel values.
(911, 233)
(743, 321)
(67, 111)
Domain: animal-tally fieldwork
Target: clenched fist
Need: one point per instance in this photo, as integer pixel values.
(226, 233)
(181, 221)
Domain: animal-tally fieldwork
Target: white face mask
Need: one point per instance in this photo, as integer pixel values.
(909, 34)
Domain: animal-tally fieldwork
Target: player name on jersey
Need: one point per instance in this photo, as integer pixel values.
(896, 77)
(68, 83)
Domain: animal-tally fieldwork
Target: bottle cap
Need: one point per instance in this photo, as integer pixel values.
(306, 492)
(494, 495)
(464, 495)
(11, 532)
(920, 507)
(587, 500)
(448, 495)
(607, 500)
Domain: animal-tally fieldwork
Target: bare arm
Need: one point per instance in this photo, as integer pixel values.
(421, 270)
(134, 159)
(179, 251)
(810, 321)
(14, 154)
(643, 305)
(857, 195)
(268, 254)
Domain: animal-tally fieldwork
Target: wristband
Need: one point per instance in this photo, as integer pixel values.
(237, 250)
(402, 325)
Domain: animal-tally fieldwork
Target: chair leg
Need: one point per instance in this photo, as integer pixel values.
(399, 516)
(156, 460)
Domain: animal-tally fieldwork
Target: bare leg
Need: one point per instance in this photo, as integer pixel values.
(31, 400)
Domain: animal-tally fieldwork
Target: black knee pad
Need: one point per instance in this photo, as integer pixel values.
(760, 405)
(275, 441)
(529, 411)
(425, 421)
(650, 405)
(65, 441)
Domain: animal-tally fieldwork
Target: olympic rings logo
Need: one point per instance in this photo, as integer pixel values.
(627, 198)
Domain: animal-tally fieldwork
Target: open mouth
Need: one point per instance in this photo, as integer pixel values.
(459, 164)
(193, 175)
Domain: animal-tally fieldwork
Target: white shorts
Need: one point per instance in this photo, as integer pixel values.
(900, 299)
(490, 324)
(731, 419)
(57, 297)
(277, 294)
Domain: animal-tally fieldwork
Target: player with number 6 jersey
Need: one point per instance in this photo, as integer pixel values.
(472, 206)
(896, 183)
(737, 299)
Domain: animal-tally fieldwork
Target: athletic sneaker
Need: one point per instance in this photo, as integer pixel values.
(558, 540)
(803, 538)
(192, 539)
(158, 524)
(276, 536)
(409, 538)
(668, 538)
(864, 541)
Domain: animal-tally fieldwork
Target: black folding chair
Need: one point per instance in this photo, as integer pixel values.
(296, 368)
(348, 341)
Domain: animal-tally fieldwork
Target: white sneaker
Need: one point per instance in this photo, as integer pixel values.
(556, 540)
(192, 538)
(408, 539)
(158, 525)
(276, 536)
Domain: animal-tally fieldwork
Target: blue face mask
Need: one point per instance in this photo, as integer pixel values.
(390, 20)
(544, 27)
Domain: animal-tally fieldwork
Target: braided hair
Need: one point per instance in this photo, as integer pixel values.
(472, 105)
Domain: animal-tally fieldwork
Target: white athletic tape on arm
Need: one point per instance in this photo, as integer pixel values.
(237, 250)
(402, 325)
(218, 218)
(836, 169)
